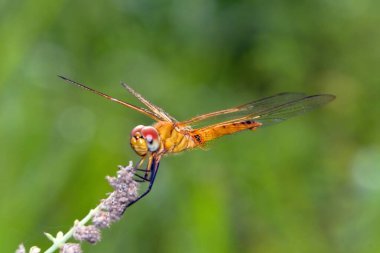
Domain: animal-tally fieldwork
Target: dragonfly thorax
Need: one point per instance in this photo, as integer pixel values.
(144, 139)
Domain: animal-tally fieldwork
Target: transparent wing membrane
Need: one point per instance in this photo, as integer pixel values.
(267, 111)
(281, 112)
(154, 114)
(154, 108)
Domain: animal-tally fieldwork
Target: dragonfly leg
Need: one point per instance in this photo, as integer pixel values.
(149, 167)
(141, 178)
(140, 163)
(153, 168)
(143, 170)
(137, 168)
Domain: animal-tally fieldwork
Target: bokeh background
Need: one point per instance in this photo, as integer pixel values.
(311, 184)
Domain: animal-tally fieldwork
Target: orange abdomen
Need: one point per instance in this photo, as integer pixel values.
(205, 134)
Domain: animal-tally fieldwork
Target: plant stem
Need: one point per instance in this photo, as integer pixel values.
(60, 241)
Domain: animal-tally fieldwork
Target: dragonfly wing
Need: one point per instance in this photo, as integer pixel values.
(264, 112)
(156, 109)
(284, 104)
(148, 113)
(281, 112)
(239, 111)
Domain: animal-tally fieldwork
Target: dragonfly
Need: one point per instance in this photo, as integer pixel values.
(168, 135)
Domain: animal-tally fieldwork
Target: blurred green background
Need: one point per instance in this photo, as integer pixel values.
(311, 184)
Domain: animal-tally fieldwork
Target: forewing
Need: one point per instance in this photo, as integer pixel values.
(148, 113)
(267, 111)
(154, 108)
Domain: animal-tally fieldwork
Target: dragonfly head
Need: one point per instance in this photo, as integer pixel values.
(145, 139)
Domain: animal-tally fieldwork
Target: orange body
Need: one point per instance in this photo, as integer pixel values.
(176, 137)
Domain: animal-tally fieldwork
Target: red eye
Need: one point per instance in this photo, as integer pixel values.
(149, 133)
(151, 137)
(137, 129)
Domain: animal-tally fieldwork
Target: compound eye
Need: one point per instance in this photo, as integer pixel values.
(137, 141)
(136, 131)
(151, 137)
